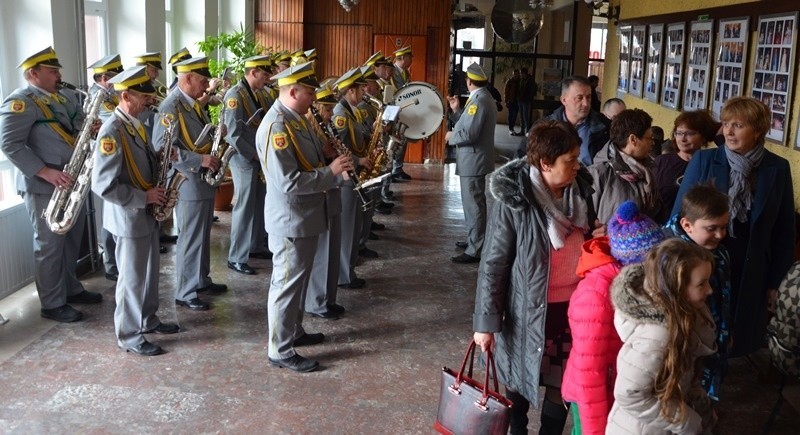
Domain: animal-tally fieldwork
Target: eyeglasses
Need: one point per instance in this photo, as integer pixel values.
(684, 133)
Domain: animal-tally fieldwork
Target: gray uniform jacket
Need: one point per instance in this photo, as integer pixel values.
(190, 125)
(107, 107)
(297, 178)
(241, 103)
(473, 135)
(30, 122)
(122, 159)
(400, 78)
(353, 133)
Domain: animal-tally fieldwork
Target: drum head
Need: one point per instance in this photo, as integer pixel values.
(421, 109)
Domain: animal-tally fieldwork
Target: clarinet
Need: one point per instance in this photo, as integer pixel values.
(342, 151)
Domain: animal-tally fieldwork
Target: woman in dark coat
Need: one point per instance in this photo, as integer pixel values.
(761, 231)
(527, 274)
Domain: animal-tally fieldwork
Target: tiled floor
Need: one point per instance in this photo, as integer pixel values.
(381, 362)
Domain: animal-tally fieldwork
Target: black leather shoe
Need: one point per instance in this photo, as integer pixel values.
(461, 245)
(64, 313)
(164, 328)
(367, 253)
(213, 288)
(464, 259)
(296, 363)
(167, 238)
(375, 226)
(309, 339)
(146, 349)
(241, 268)
(262, 255)
(111, 276)
(162, 249)
(388, 194)
(193, 304)
(401, 176)
(85, 297)
(383, 204)
(327, 315)
(215, 218)
(373, 236)
(356, 283)
(383, 210)
(336, 308)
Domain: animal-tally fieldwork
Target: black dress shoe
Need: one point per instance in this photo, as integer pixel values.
(162, 249)
(367, 253)
(383, 204)
(193, 304)
(111, 276)
(164, 328)
(241, 268)
(461, 245)
(327, 315)
(213, 288)
(373, 236)
(383, 210)
(401, 176)
(146, 349)
(262, 255)
(215, 218)
(375, 226)
(64, 313)
(309, 339)
(336, 308)
(356, 283)
(85, 297)
(296, 363)
(464, 259)
(167, 238)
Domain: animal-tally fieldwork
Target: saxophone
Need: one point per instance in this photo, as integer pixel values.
(221, 150)
(171, 185)
(376, 152)
(65, 204)
(341, 150)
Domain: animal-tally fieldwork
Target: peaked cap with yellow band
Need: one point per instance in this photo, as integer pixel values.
(198, 65)
(368, 73)
(378, 59)
(283, 56)
(348, 79)
(325, 95)
(311, 54)
(153, 59)
(134, 79)
(302, 74)
(46, 57)
(298, 60)
(108, 64)
(263, 63)
(179, 56)
(402, 51)
(475, 72)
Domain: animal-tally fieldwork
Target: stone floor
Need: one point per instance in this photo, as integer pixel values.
(380, 363)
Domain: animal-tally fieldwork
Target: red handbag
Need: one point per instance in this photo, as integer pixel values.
(468, 407)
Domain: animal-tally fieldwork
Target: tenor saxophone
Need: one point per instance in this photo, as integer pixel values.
(376, 152)
(171, 185)
(65, 204)
(221, 150)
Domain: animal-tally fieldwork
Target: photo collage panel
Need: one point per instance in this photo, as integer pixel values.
(655, 47)
(637, 60)
(699, 60)
(624, 60)
(673, 65)
(771, 78)
(731, 55)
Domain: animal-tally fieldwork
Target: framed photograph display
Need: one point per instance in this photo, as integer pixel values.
(731, 55)
(655, 50)
(772, 73)
(624, 60)
(673, 65)
(698, 74)
(637, 60)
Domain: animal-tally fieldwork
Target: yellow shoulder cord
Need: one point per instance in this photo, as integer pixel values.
(304, 163)
(188, 140)
(54, 124)
(133, 169)
(359, 151)
(243, 97)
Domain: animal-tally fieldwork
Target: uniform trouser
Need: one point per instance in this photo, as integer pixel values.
(137, 287)
(247, 218)
(106, 239)
(192, 252)
(292, 260)
(366, 222)
(473, 200)
(323, 284)
(55, 256)
(399, 158)
(352, 215)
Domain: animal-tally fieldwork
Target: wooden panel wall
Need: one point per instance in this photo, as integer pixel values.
(279, 23)
(339, 47)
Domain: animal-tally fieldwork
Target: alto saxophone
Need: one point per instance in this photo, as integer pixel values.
(171, 185)
(376, 152)
(221, 150)
(65, 204)
(341, 150)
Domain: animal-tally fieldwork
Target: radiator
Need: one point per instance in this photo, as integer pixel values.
(16, 250)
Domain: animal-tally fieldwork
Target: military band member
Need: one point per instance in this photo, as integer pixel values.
(125, 175)
(152, 63)
(283, 60)
(195, 207)
(473, 137)
(400, 77)
(352, 131)
(179, 56)
(245, 106)
(295, 210)
(383, 69)
(38, 128)
(323, 284)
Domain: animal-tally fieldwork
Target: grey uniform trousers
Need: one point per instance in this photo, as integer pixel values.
(193, 253)
(366, 222)
(323, 285)
(137, 288)
(106, 239)
(247, 217)
(292, 261)
(55, 256)
(473, 200)
(352, 216)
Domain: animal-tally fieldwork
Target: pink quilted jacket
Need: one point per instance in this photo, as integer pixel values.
(591, 368)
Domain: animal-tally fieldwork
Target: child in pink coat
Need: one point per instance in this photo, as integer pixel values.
(591, 369)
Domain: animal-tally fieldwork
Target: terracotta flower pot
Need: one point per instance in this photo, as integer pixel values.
(224, 196)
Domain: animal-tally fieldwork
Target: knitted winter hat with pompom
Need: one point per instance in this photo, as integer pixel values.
(631, 234)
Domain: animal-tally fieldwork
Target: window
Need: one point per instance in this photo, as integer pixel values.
(96, 17)
(169, 46)
(597, 48)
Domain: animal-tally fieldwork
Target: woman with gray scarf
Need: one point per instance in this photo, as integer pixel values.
(539, 220)
(761, 229)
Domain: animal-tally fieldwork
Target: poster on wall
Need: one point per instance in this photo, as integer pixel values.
(695, 94)
(637, 60)
(624, 60)
(655, 49)
(673, 65)
(772, 73)
(731, 55)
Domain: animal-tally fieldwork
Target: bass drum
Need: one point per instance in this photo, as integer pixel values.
(422, 109)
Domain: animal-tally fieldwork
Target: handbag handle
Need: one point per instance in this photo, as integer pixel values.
(490, 366)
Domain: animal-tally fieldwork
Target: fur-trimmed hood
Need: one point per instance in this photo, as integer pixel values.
(627, 295)
(511, 185)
